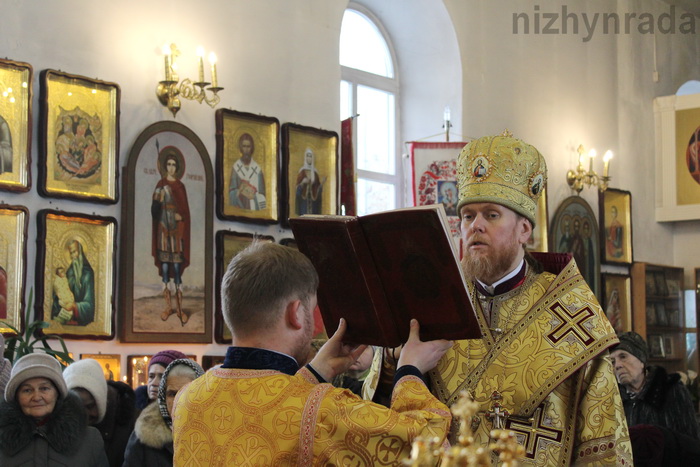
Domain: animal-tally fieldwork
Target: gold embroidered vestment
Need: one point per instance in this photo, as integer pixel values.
(548, 368)
(265, 417)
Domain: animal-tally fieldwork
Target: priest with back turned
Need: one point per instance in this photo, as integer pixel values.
(542, 367)
(265, 406)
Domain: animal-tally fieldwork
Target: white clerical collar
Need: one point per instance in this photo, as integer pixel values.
(491, 288)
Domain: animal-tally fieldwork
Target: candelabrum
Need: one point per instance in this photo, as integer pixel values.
(580, 178)
(466, 452)
(171, 89)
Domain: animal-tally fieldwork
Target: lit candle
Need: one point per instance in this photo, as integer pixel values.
(606, 162)
(591, 155)
(214, 79)
(166, 54)
(200, 54)
(447, 113)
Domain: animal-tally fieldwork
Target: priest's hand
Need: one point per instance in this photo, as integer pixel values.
(336, 357)
(422, 355)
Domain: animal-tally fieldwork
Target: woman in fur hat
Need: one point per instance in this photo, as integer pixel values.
(151, 443)
(41, 423)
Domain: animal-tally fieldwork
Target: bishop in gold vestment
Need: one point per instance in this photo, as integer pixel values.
(541, 368)
(548, 377)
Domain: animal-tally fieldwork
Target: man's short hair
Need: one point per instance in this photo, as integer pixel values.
(259, 281)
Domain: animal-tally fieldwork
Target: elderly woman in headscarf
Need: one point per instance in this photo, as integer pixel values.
(42, 423)
(151, 443)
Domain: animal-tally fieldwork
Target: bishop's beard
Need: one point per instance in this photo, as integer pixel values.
(488, 268)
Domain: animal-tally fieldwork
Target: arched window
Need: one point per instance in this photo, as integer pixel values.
(369, 88)
(689, 87)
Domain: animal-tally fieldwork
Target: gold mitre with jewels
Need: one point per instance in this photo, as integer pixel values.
(503, 170)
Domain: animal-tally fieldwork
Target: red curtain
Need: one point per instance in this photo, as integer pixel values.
(347, 169)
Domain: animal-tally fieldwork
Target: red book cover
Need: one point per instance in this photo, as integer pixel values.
(349, 286)
(380, 270)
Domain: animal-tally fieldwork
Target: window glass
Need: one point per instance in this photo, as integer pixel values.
(375, 130)
(690, 316)
(369, 90)
(691, 349)
(373, 196)
(362, 46)
(345, 100)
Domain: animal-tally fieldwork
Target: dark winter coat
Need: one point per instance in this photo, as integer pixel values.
(151, 443)
(655, 446)
(118, 422)
(663, 401)
(64, 440)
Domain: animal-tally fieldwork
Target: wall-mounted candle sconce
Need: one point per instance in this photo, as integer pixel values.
(171, 89)
(579, 178)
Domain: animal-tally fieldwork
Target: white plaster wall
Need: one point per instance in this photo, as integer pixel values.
(554, 91)
(678, 60)
(557, 91)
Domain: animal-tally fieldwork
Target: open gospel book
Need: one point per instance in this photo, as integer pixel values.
(380, 270)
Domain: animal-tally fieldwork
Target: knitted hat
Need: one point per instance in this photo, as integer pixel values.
(88, 374)
(35, 365)
(502, 170)
(165, 357)
(633, 343)
(5, 366)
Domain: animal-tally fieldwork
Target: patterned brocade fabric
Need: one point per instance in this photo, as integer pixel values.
(551, 369)
(264, 417)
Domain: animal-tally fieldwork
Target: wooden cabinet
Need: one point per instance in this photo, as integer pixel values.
(658, 308)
